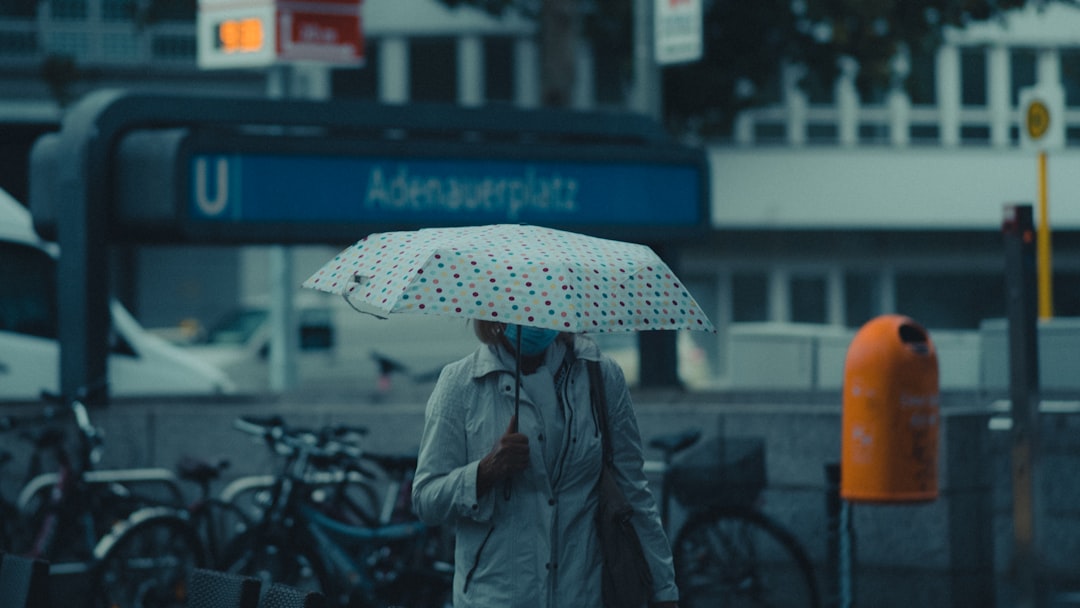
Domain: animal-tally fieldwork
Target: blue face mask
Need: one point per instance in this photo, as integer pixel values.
(533, 339)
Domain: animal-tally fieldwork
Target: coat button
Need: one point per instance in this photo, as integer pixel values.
(551, 502)
(540, 436)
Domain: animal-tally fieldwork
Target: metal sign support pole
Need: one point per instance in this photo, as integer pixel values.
(1021, 295)
(1046, 286)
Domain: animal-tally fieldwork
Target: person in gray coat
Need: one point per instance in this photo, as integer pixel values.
(520, 490)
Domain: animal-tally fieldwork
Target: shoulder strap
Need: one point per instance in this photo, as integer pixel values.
(599, 404)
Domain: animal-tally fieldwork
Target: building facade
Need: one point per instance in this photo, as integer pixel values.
(827, 209)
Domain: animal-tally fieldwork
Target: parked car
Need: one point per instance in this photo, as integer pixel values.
(245, 331)
(338, 348)
(139, 364)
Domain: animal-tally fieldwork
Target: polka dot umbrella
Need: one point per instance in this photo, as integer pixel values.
(513, 273)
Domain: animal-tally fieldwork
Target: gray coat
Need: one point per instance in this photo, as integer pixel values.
(535, 545)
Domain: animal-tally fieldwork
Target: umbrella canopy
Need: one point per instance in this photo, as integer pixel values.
(512, 273)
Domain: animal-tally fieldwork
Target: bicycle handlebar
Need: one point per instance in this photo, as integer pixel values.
(292, 442)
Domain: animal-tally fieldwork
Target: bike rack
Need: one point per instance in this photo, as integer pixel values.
(248, 483)
(121, 476)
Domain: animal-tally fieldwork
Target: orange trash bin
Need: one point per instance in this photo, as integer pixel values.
(891, 413)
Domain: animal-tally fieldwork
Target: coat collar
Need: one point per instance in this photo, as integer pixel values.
(485, 360)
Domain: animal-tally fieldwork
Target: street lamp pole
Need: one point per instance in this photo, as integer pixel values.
(647, 95)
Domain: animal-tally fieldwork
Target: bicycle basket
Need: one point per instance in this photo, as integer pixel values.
(719, 471)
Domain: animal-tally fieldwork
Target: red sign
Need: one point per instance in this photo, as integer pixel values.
(326, 31)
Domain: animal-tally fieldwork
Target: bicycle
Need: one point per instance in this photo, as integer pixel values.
(727, 551)
(9, 513)
(113, 547)
(217, 520)
(318, 536)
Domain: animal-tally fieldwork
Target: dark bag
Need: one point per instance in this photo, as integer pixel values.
(627, 582)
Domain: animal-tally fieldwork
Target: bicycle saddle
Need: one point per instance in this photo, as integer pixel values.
(669, 444)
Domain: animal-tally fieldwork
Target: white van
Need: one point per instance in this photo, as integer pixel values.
(140, 364)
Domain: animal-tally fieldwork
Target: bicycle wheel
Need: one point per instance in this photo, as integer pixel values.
(274, 557)
(416, 572)
(217, 523)
(737, 556)
(145, 562)
(9, 525)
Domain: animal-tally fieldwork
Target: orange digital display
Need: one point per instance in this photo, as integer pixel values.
(240, 35)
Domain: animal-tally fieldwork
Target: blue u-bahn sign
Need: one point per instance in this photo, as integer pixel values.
(234, 171)
(260, 187)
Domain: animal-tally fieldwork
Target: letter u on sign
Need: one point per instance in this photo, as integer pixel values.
(211, 195)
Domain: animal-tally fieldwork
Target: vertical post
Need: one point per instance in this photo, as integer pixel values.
(847, 102)
(393, 71)
(284, 328)
(948, 94)
(526, 73)
(998, 87)
(1019, 236)
(838, 590)
(470, 64)
(285, 81)
(1046, 286)
(796, 104)
(83, 269)
(79, 169)
(647, 84)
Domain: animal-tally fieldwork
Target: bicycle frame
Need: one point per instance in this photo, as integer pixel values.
(716, 547)
(354, 561)
(67, 498)
(326, 532)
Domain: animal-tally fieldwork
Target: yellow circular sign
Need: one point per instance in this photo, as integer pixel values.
(1038, 119)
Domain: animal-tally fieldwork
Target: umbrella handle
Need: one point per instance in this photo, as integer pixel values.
(517, 401)
(517, 380)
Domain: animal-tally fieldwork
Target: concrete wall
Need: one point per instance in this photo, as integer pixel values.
(954, 551)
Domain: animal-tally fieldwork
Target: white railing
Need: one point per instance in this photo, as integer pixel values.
(898, 122)
(882, 125)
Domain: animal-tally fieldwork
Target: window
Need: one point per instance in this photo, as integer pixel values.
(1070, 76)
(68, 10)
(433, 69)
(808, 296)
(860, 299)
(18, 8)
(950, 301)
(1022, 65)
(18, 44)
(499, 69)
(749, 297)
(28, 299)
(358, 83)
(973, 76)
(117, 10)
(1066, 294)
(173, 47)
